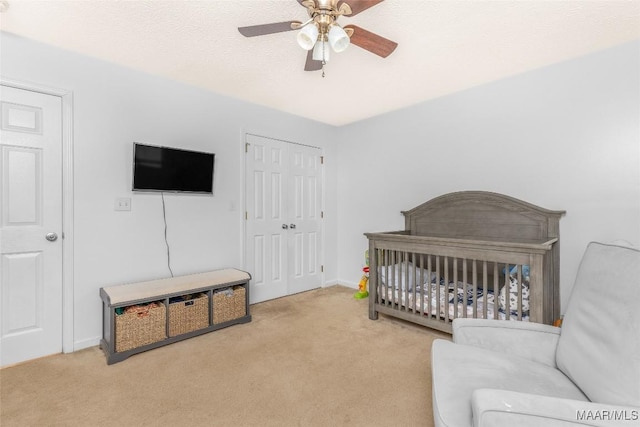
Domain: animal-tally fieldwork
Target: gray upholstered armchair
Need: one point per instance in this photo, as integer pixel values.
(505, 373)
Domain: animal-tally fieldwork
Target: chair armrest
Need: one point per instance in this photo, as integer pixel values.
(509, 408)
(533, 341)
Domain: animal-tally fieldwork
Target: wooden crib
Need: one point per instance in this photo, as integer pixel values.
(468, 254)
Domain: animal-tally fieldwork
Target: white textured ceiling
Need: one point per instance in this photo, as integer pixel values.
(444, 46)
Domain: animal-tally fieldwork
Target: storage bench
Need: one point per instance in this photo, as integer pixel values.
(137, 317)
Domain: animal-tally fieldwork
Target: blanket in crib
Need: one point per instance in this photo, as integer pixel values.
(451, 301)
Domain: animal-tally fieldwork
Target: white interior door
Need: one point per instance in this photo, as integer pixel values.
(266, 245)
(283, 218)
(31, 225)
(305, 201)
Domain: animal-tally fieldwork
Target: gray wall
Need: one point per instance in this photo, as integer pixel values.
(563, 137)
(113, 107)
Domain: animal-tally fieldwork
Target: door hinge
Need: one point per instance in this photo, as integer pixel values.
(246, 215)
(322, 160)
(246, 147)
(322, 269)
(321, 214)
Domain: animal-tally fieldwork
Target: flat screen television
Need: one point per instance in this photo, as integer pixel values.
(172, 169)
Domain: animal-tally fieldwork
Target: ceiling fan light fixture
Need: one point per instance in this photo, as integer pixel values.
(321, 33)
(338, 38)
(321, 51)
(308, 36)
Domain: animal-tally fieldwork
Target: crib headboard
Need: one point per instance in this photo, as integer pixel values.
(483, 215)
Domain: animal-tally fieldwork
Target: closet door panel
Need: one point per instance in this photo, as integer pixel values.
(305, 174)
(266, 250)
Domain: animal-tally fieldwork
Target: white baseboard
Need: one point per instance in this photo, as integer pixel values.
(90, 342)
(346, 283)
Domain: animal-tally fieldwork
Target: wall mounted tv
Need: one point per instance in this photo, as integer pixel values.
(172, 169)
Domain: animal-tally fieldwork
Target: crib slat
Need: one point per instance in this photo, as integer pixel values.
(422, 287)
(507, 296)
(496, 287)
(485, 279)
(519, 275)
(446, 289)
(405, 261)
(394, 284)
(475, 288)
(455, 287)
(430, 299)
(397, 277)
(464, 286)
(414, 273)
(438, 304)
(381, 288)
(387, 282)
(384, 286)
(387, 259)
(378, 276)
(383, 267)
(411, 272)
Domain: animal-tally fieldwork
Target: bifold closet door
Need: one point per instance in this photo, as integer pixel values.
(283, 217)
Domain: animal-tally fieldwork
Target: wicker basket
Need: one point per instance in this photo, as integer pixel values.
(189, 315)
(229, 304)
(140, 325)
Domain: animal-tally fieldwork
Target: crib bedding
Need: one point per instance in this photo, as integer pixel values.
(449, 301)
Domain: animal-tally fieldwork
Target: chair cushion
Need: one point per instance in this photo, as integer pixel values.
(459, 369)
(599, 345)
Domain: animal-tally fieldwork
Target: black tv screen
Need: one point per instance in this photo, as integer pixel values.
(172, 169)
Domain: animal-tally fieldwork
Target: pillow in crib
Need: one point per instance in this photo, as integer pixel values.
(514, 289)
(398, 273)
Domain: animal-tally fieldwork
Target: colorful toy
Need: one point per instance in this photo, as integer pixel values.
(362, 286)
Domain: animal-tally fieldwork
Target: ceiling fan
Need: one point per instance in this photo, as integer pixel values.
(321, 31)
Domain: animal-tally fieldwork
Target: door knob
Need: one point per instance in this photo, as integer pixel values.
(292, 226)
(52, 237)
(285, 226)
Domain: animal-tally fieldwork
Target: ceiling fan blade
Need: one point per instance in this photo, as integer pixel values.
(371, 41)
(358, 6)
(311, 64)
(261, 30)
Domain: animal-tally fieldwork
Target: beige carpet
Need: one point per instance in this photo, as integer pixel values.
(312, 359)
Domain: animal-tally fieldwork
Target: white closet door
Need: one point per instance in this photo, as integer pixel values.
(31, 219)
(266, 246)
(305, 200)
(283, 219)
